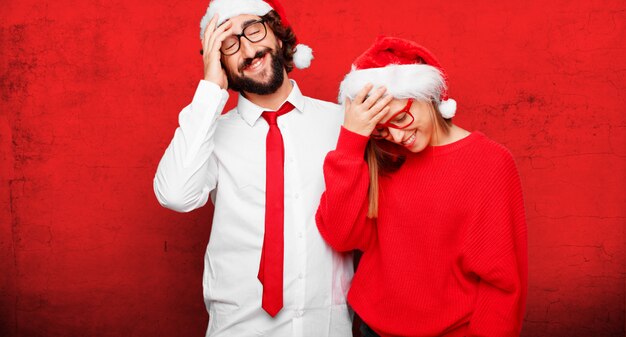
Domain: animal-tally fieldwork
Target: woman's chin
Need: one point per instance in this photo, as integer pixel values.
(417, 147)
(418, 144)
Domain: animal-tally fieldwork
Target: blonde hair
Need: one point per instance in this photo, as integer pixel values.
(381, 161)
(372, 192)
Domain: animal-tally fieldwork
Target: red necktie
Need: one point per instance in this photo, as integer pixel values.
(271, 268)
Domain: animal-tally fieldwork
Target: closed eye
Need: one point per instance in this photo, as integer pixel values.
(400, 118)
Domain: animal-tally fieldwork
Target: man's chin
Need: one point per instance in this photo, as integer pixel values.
(261, 78)
(263, 82)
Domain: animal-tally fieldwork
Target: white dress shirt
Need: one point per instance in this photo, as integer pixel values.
(224, 156)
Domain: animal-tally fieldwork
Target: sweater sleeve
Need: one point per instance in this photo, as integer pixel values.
(495, 250)
(342, 214)
(187, 171)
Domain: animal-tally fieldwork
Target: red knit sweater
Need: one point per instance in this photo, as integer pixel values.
(447, 255)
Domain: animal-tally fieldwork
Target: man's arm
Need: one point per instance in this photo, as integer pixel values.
(188, 171)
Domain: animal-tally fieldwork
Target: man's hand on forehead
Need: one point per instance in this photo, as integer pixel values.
(211, 44)
(223, 23)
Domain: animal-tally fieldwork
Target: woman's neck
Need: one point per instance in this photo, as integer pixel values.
(454, 134)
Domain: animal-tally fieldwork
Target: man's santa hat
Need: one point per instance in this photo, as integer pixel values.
(405, 68)
(231, 8)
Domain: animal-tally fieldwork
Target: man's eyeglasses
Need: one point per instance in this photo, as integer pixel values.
(398, 120)
(254, 32)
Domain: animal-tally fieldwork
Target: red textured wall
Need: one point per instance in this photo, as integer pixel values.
(90, 96)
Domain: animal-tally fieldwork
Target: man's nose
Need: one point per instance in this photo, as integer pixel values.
(246, 48)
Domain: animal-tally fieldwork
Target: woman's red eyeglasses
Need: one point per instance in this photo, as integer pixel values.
(398, 120)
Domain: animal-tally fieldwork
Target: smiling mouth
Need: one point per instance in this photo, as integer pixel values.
(409, 141)
(256, 64)
(252, 64)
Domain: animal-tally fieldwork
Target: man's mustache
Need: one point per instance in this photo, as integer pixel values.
(249, 61)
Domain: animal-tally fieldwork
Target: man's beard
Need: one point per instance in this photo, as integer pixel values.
(246, 84)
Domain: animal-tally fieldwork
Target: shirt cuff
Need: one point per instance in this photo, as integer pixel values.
(351, 143)
(207, 91)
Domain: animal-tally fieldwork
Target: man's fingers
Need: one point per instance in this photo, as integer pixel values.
(215, 42)
(208, 31)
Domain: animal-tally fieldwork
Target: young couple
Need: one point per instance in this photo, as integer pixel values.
(436, 211)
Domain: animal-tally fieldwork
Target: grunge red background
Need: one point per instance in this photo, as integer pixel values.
(91, 91)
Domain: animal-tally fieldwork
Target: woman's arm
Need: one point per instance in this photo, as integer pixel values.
(496, 252)
(341, 216)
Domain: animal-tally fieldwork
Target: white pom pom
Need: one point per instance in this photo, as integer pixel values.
(447, 108)
(303, 56)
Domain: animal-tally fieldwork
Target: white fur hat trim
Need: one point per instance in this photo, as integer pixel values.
(231, 8)
(418, 81)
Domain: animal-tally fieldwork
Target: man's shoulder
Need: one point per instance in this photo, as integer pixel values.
(228, 115)
(322, 105)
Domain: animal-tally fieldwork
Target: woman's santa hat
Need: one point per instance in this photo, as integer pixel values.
(231, 8)
(405, 68)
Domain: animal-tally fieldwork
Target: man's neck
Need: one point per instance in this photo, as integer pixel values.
(272, 101)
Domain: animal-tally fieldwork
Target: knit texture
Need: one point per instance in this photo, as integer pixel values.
(447, 255)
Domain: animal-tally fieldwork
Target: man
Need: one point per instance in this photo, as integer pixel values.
(267, 271)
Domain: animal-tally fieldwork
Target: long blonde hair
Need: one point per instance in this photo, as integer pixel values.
(381, 161)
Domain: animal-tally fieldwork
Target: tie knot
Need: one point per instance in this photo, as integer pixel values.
(271, 116)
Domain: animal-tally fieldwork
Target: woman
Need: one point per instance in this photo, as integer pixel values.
(436, 210)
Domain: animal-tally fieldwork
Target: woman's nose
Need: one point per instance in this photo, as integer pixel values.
(396, 135)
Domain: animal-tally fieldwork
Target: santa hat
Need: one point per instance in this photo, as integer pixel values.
(405, 68)
(231, 8)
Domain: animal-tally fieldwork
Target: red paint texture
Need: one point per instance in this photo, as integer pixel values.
(90, 96)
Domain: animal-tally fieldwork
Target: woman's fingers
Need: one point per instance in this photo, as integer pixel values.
(367, 109)
(381, 115)
(358, 99)
(380, 104)
(374, 97)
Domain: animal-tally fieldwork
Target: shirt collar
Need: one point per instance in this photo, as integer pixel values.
(251, 112)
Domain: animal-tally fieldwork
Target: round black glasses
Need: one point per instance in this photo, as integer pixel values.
(254, 32)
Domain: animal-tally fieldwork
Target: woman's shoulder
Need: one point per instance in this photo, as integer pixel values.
(491, 152)
(489, 146)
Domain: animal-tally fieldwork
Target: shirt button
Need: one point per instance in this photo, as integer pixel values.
(300, 235)
(297, 196)
(301, 276)
(299, 313)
